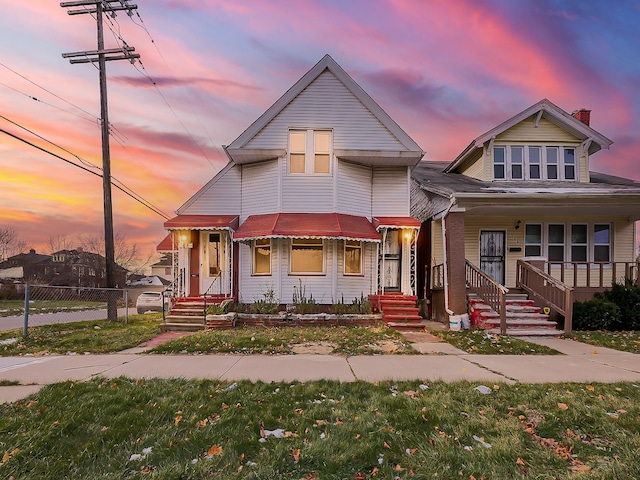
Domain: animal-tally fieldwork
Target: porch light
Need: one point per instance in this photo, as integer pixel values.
(517, 225)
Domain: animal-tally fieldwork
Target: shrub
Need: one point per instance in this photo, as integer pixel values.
(8, 291)
(267, 305)
(596, 314)
(303, 303)
(627, 297)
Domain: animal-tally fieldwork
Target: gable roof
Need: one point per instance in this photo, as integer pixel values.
(543, 109)
(240, 154)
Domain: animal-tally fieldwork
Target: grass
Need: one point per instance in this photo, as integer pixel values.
(16, 307)
(482, 343)
(97, 336)
(624, 341)
(170, 429)
(286, 340)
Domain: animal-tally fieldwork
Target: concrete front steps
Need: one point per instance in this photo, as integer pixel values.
(523, 317)
(398, 311)
(187, 314)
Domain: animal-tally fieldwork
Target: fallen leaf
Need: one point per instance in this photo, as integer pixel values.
(296, 455)
(594, 352)
(386, 445)
(374, 472)
(591, 388)
(398, 468)
(177, 420)
(563, 406)
(520, 462)
(225, 406)
(214, 450)
(202, 423)
(321, 422)
(104, 429)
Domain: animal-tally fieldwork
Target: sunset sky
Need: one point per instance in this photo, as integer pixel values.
(446, 71)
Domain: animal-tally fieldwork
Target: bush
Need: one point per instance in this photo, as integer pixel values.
(8, 291)
(304, 304)
(627, 297)
(596, 314)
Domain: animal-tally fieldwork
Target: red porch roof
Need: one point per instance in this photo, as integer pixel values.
(395, 222)
(307, 225)
(202, 222)
(167, 245)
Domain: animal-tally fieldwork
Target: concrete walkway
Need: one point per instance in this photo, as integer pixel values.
(439, 361)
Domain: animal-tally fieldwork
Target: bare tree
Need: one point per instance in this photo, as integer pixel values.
(10, 244)
(127, 254)
(60, 242)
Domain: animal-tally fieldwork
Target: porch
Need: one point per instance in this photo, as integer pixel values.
(551, 286)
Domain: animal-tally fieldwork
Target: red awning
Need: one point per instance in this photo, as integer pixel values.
(202, 222)
(167, 244)
(395, 222)
(307, 225)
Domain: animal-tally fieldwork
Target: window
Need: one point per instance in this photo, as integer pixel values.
(310, 152)
(352, 257)
(576, 242)
(556, 243)
(579, 243)
(262, 257)
(602, 242)
(307, 255)
(525, 162)
(297, 148)
(533, 240)
(499, 161)
(534, 163)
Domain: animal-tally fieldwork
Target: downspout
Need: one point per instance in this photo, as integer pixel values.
(444, 257)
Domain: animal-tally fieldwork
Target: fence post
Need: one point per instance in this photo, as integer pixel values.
(126, 306)
(568, 312)
(164, 313)
(27, 294)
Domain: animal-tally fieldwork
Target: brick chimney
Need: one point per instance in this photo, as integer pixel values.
(583, 115)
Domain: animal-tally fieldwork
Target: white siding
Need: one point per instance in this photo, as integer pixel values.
(351, 286)
(327, 103)
(354, 189)
(260, 188)
(252, 287)
(220, 198)
(390, 191)
(307, 193)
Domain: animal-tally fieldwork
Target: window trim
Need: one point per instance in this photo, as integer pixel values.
(310, 151)
(561, 166)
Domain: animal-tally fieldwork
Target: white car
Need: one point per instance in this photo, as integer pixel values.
(152, 302)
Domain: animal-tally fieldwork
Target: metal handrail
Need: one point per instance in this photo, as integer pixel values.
(215, 279)
(546, 289)
(489, 290)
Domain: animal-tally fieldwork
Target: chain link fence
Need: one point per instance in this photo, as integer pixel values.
(46, 305)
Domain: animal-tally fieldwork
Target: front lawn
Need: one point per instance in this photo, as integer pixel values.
(624, 341)
(369, 340)
(170, 429)
(97, 336)
(484, 343)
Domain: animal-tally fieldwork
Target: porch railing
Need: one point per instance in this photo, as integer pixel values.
(493, 294)
(597, 275)
(437, 276)
(546, 289)
(215, 279)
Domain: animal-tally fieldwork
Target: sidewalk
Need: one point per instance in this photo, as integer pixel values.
(439, 361)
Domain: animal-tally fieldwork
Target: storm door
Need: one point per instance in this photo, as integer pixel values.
(492, 260)
(392, 260)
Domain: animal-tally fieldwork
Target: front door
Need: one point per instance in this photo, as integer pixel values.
(492, 259)
(392, 261)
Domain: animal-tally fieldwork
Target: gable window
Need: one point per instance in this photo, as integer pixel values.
(528, 162)
(262, 257)
(352, 257)
(307, 255)
(310, 152)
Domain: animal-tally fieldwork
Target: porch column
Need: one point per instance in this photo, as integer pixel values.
(456, 270)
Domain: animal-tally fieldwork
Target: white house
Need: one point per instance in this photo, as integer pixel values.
(316, 194)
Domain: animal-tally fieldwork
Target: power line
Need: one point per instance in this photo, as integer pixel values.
(118, 184)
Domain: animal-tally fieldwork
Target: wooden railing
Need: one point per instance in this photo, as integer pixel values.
(437, 276)
(546, 289)
(598, 275)
(489, 290)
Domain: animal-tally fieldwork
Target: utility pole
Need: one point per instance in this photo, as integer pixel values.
(101, 56)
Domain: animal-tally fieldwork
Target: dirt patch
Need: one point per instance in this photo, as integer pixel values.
(313, 348)
(387, 346)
